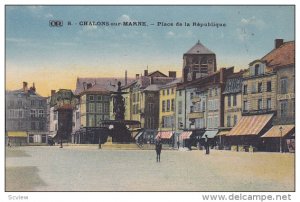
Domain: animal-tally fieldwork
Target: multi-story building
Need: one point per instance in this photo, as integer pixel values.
(167, 96)
(61, 119)
(198, 62)
(233, 100)
(260, 98)
(26, 116)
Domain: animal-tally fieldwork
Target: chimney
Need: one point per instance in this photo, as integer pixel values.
(222, 72)
(53, 92)
(146, 72)
(25, 86)
(278, 43)
(125, 77)
(172, 74)
(33, 87)
(84, 85)
(137, 76)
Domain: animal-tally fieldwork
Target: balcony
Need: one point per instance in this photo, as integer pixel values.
(196, 115)
(195, 99)
(257, 112)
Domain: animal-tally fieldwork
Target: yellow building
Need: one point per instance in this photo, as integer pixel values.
(167, 95)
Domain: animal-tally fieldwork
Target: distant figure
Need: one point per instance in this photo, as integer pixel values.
(206, 144)
(9, 145)
(178, 144)
(158, 148)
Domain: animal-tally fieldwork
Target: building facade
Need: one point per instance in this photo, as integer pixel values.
(26, 116)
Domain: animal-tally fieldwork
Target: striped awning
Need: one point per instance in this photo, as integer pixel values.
(250, 125)
(222, 133)
(276, 132)
(17, 134)
(185, 135)
(164, 134)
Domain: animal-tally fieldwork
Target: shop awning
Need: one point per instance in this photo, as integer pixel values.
(222, 133)
(164, 134)
(210, 134)
(185, 135)
(250, 125)
(17, 134)
(275, 131)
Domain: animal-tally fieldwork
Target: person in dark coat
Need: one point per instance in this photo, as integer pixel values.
(206, 144)
(158, 147)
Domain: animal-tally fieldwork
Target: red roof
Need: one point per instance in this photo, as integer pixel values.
(281, 56)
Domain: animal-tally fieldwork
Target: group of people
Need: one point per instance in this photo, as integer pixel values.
(158, 147)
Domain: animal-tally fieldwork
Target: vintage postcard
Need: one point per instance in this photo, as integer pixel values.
(173, 98)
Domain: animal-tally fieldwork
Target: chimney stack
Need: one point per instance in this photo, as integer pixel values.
(33, 87)
(222, 71)
(278, 43)
(172, 74)
(146, 72)
(126, 78)
(53, 92)
(89, 85)
(25, 86)
(137, 76)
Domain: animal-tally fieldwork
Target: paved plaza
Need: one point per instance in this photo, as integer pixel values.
(45, 168)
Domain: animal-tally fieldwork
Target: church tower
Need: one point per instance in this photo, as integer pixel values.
(198, 62)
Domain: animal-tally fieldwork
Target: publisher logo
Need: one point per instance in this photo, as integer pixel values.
(55, 23)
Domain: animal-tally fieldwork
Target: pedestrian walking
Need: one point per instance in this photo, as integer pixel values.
(158, 147)
(178, 144)
(206, 144)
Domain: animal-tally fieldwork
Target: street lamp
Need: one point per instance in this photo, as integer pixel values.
(280, 141)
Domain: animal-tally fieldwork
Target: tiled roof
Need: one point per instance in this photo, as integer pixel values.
(282, 56)
(199, 48)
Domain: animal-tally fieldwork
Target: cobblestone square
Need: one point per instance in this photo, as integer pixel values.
(40, 168)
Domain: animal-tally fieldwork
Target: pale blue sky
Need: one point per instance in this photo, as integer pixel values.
(33, 46)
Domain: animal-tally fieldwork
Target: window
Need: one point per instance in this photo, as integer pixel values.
(283, 108)
(210, 92)
(44, 138)
(228, 121)
(41, 103)
(234, 100)
(172, 105)
(180, 107)
(269, 103)
(32, 102)
(234, 120)
(163, 105)
(30, 138)
(91, 107)
(99, 98)
(245, 105)
(41, 125)
(32, 113)
(245, 90)
(216, 91)
(163, 92)
(138, 97)
(269, 86)
(259, 104)
(259, 87)
(91, 121)
(191, 109)
(11, 103)
(91, 97)
(168, 92)
(203, 106)
(19, 103)
(256, 69)
(172, 91)
(41, 113)
(180, 93)
(168, 105)
(253, 88)
(106, 107)
(55, 116)
(283, 85)
(191, 95)
(229, 101)
(106, 117)
(32, 125)
(150, 107)
(99, 108)
(98, 119)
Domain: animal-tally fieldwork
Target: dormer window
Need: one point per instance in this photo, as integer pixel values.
(256, 70)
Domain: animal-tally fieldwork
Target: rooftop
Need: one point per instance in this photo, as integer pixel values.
(199, 48)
